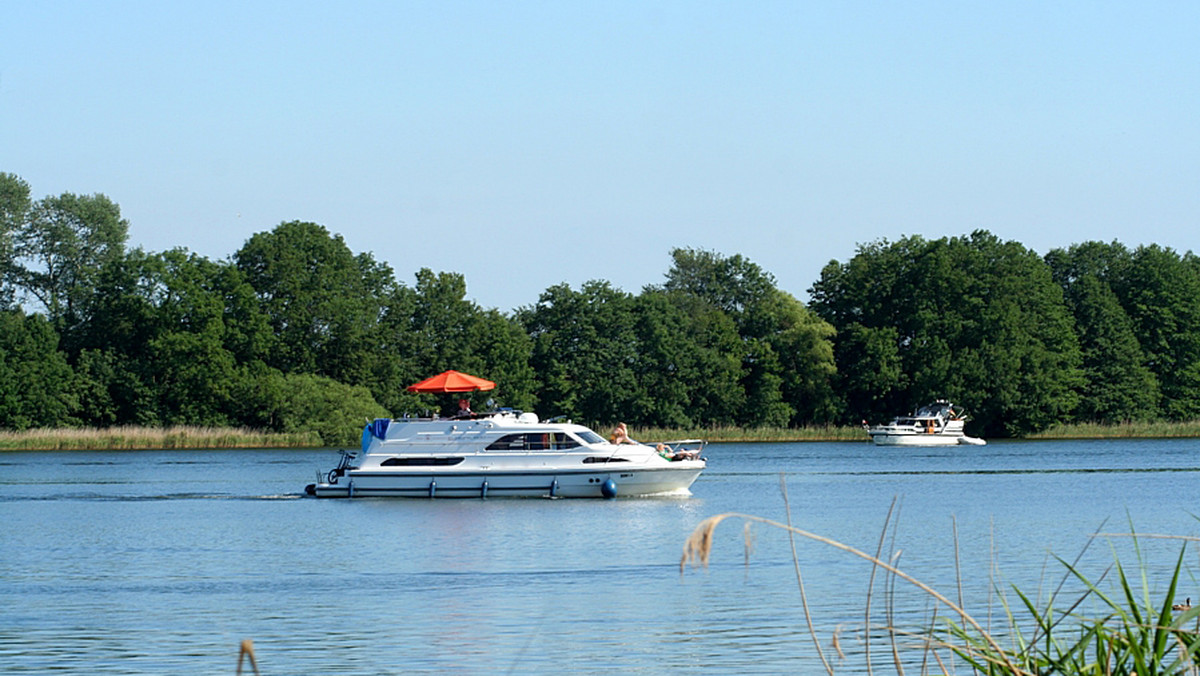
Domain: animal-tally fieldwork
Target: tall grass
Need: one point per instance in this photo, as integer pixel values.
(733, 433)
(1123, 629)
(1125, 430)
(141, 438)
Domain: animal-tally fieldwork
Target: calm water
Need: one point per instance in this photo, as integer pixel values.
(162, 562)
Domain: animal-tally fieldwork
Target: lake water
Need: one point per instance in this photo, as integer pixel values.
(163, 562)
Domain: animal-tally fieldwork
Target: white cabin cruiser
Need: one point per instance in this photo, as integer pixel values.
(508, 453)
(936, 424)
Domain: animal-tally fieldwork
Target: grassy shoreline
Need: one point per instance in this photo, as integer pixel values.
(1126, 430)
(131, 438)
(732, 433)
(192, 437)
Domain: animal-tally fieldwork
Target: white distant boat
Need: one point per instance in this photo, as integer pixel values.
(937, 424)
(507, 453)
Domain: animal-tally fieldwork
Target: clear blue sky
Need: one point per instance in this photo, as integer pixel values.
(525, 144)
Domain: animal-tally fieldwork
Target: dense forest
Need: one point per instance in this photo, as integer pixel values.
(295, 332)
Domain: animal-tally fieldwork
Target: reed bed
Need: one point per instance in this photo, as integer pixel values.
(144, 438)
(1125, 628)
(731, 433)
(1125, 430)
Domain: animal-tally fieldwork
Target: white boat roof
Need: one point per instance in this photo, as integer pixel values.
(395, 434)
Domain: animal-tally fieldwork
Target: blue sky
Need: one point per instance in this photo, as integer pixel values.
(526, 144)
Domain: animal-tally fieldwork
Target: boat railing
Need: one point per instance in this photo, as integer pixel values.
(701, 442)
(689, 445)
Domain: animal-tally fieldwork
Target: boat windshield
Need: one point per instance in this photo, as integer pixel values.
(940, 408)
(590, 437)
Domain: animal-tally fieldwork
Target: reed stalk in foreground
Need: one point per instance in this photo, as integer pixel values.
(1131, 635)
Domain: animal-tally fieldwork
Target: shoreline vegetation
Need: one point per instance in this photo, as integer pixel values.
(134, 438)
(127, 438)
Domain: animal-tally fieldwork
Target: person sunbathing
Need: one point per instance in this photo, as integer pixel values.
(672, 454)
(620, 435)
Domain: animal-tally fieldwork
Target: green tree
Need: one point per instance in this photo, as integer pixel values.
(107, 352)
(972, 318)
(14, 210)
(688, 364)
(871, 378)
(322, 302)
(110, 390)
(170, 338)
(442, 322)
(188, 358)
(786, 351)
(399, 362)
(584, 351)
(1161, 294)
(334, 410)
(437, 328)
(61, 249)
(503, 350)
(804, 345)
(35, 379)
(1118, 386)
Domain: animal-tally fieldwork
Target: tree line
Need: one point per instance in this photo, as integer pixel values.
(295, 332)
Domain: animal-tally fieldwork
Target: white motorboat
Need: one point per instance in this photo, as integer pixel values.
(937, 424)
(508, 453)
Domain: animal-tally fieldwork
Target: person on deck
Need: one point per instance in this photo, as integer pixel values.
(620, 435)
(671, 454)
(464, 409)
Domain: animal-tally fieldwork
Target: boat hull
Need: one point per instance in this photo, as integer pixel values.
(921, 439)
(514, 483)
(914, 440)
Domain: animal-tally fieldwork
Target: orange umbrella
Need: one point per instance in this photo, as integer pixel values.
(452, 381)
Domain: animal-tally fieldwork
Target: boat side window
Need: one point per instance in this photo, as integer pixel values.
(508, 442)
(534, 441)
(420, 461)
(562, 440)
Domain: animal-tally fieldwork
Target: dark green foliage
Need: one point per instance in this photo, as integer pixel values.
(871, 378)
(1161, 294)
(688, 367)
(336, 411)
(973, 319)
(319, 299)
(1138, 315)
(110, 390)
(35, 380)
(584, 351)
(1119, 387)
(786, 353)
(443, 330)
